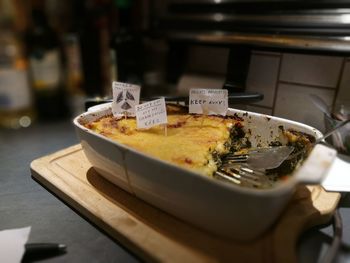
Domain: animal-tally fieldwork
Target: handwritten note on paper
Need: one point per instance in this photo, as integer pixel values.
(151, 113)
(208, 101)
(12, 243)
(125, 97)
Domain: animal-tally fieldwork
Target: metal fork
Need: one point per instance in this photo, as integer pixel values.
(236, 169)
(242, 174)
(262, 157)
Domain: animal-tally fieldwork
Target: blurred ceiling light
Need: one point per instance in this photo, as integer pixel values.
(218, 17)
(345, 18)
(25, 121)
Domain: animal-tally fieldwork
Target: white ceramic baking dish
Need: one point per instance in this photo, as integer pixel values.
(224, 209)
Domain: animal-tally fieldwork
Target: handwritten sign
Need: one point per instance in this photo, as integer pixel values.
(208, 101)
(125, 97)
(151, 113)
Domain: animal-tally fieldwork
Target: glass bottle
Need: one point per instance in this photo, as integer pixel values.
(45, 62)
(16, 104)
(74, 74)
(89, 27)
(126, 46)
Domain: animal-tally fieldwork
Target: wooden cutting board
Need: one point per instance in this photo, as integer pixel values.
(157, 236)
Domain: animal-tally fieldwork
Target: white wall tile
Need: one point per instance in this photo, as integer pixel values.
(343, 95)
(262, 77)
(293, 103)
(311, 69)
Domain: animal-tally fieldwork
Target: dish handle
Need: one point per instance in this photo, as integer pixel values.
(316, 166)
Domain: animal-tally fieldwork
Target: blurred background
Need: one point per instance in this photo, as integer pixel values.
(54, 54)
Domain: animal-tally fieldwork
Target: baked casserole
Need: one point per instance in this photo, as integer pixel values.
(192, 141)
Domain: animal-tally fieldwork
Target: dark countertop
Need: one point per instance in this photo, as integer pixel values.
(23, 202)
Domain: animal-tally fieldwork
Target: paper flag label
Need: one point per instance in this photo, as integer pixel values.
(125, 97)
(151, 113)
(208, 101)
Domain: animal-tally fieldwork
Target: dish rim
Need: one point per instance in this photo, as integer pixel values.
(278, 188)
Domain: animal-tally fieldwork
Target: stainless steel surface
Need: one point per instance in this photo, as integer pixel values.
(322, 26)
(336, 44)
(339, 19)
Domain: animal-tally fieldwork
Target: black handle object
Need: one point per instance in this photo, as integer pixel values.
(40, 251)
(244, 97)
(233, 98)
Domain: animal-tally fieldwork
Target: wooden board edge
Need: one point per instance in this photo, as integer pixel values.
(69, 201)
(39, 167)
